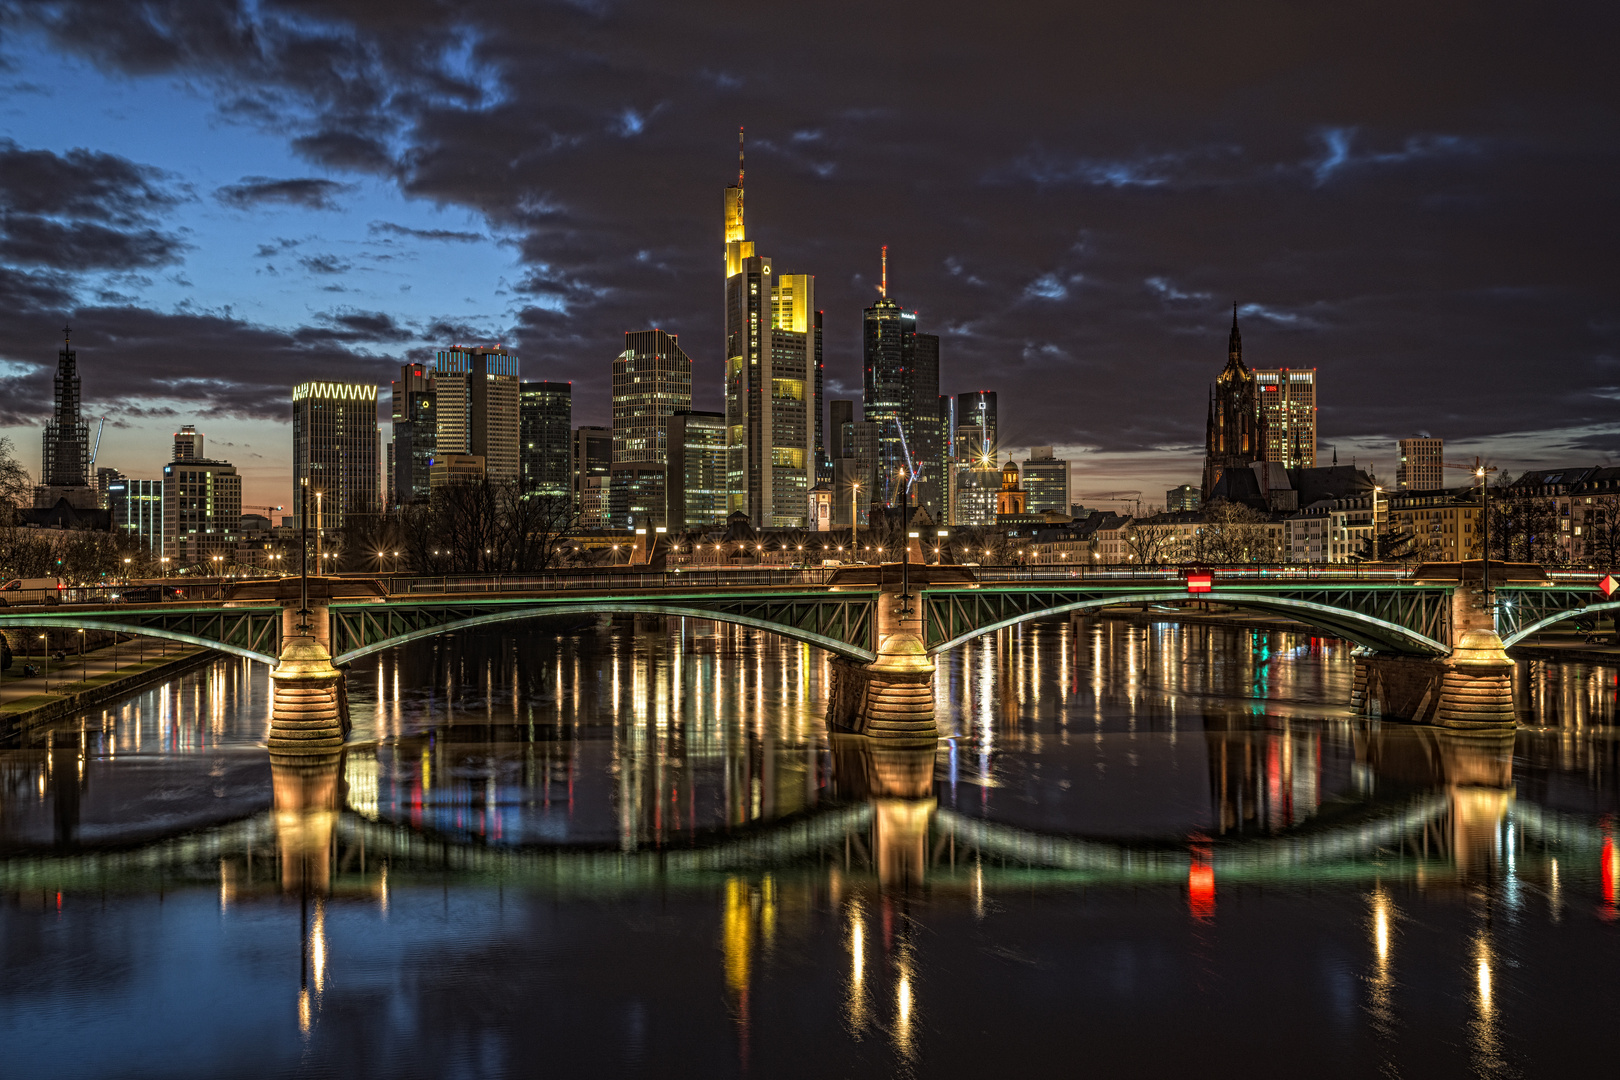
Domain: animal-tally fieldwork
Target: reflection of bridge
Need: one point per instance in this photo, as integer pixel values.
(884, 642)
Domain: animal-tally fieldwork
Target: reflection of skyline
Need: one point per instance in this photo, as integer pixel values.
(853, 908)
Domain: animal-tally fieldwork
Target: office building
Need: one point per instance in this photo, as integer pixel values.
(636, 495)
(545, 433)
(1046, 482)
(652, 380)
(695, 490)
(1423, 464)
(976, 428)
(65, 461)
(840, 413)
(188, 443)
(773, 360)
(1286, 400)
(416, 435)
(450, 469)
(977, 490)
(901, 372)
(592, 458)
(476, 392)
(855, 473)
(335, 447)
(137, 510)
(202, 508)
(1182, 497)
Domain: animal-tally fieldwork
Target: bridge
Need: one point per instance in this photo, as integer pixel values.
(1429, 647)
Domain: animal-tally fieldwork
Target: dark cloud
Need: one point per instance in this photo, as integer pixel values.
(309, 192)
(357, 326)
(324, 264)
(388, 228)
(1415, 199)
(83, 211)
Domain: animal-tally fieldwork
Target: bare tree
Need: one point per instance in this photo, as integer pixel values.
(1233, 533)
(1150, 544)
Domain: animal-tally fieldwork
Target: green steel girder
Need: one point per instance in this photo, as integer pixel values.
(1521, 610)
(252, 632)
(842, 622)
(1392, 618)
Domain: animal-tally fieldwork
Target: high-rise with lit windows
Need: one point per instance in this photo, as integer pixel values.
(652, 381)
(476, 392)
(545, 434)
(1286, 400)
(335, 443)
(773, 360)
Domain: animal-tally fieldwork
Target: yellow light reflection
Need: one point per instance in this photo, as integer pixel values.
(303, 1012)
(855, 998)
(317, 947)
(904, 1037)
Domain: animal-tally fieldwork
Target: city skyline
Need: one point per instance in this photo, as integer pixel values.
(210, 261)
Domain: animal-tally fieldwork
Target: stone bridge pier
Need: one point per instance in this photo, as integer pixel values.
(309, 713)
(1469, 690)
(892, 698)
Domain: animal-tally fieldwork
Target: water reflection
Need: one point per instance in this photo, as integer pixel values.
(652, 826)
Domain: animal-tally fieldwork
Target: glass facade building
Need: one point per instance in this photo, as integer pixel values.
(545, 432)
(335, 447)
(695, 493)
(477, 402)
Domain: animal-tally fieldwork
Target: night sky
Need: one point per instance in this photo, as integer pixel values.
(1420, 200)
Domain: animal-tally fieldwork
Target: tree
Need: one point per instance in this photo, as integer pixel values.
(1150, 544)
(1233, 533)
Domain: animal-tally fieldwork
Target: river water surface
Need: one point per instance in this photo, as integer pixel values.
(609, 850)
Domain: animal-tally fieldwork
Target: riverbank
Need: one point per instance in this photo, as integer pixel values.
(82, 683)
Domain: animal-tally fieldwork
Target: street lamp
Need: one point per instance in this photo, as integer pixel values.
(1376, 490)
(45, 651)
(854, 517)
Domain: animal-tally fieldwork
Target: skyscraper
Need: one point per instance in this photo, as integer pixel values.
(188, 443)
(416, 434)
(202, 509)
(901, 370)
(652, 380)
(545, 432)
(773, 357)
(335, 444)
(1046, 482)
(592, 461)
(1422, 466)
(976, 428)
(1286, 399)
(65, 455)
(1232, 437)
(476, 392)
(137, 510)
(695, 494)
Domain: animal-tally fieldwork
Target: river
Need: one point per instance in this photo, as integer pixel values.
(633, 850)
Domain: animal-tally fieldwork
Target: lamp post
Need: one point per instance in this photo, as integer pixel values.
(1485, 533)
(854, 519)
(1376, 490)
(45, 653)
(84, 670)
(940, 548)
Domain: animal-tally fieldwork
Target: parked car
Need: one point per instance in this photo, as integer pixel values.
(149, 594)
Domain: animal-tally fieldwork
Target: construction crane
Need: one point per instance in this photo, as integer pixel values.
(268, 510)
(96, 449)
(1115, 496)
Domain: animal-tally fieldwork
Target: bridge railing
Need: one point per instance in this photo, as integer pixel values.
(1171, 574)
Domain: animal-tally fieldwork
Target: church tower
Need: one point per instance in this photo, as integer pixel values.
(1232, 436)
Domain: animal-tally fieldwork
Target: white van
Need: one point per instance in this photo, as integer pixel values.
(21, 592)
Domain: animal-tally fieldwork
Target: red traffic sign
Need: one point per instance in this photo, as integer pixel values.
(1608, 585)
(1200, 581)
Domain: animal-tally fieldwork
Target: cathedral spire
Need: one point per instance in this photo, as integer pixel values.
(1234, 345)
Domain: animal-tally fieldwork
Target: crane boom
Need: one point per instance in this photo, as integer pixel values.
(97, 448)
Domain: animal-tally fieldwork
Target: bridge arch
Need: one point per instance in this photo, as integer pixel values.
(70, 622)
(616, 607)
(1366, 630)
(1556, 617)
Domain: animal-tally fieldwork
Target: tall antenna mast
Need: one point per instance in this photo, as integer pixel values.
(740, 159)
(883, 282)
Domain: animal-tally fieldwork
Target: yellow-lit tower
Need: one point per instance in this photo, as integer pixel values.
(773, 352)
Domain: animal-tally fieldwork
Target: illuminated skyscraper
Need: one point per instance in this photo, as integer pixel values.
(1422, 465)
(416, 430)
(901, 370)
(652, 381)
(335, 441)
(1286, 399)
(476, 392)
(545, 433)
(773, 364)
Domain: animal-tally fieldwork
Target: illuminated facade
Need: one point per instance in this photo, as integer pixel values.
(1232, 432)
(202, 507)
(652, 380)
(476, 392)
(901, 373)
(137, 510)
(1046, 482)
(335, 444)
(695, 493)
(1423, 464)
(1286, 400)
(592, 458)
(415, 429)
(773, 374)
(545, 431)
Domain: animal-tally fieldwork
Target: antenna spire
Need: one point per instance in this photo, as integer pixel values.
(740, 159)
(67, 333)
(883, 282)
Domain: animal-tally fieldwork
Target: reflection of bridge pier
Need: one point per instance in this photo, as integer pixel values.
(898, 781)
(307, 796)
